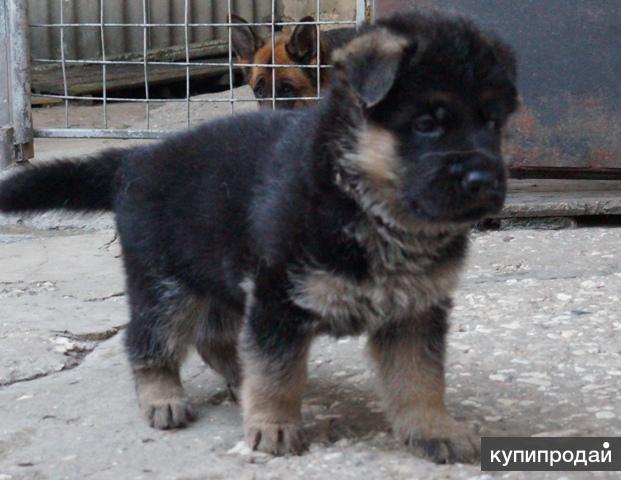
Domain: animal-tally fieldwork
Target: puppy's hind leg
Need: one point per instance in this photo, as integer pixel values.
(216, 342)
(162, 326)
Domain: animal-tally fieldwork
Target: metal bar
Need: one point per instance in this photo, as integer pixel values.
(20, 74)
(98, 133)
(144, 53)
(273, 56)
(63, 66)
(318, 46)
(7, 153)
(179, 64)
(361, 12)
(187, 60)
(103, 58)
(230, 35)
(5, 55)
(172, 100)
(221, 24)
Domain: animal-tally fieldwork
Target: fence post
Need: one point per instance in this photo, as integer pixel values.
(365, 11)
(20, 79)
(6, 131)
(18, 70)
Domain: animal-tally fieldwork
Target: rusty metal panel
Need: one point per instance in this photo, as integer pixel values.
(570, 77)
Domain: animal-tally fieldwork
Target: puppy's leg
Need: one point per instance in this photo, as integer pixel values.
(275, 340)
(161, 397)
(216, 342)
(410, 363)
(162, 325)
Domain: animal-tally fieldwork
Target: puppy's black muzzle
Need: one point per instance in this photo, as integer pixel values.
(478, 183)
(458, 186)
(482, 184)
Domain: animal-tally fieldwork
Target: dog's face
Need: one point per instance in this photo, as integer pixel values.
(436, 98)
(295, 49)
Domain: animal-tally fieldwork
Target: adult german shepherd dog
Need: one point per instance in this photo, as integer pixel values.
(294, 50)
(250, 235)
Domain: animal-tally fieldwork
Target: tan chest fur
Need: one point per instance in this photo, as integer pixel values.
(404, 281)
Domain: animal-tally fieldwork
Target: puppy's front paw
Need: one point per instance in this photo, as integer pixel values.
(169, 413)
(448, 441)
(277, 438)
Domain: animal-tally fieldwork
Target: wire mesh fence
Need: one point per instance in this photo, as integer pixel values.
(181, 60)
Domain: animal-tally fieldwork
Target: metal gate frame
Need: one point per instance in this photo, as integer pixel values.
(16, 129)
(16, 133)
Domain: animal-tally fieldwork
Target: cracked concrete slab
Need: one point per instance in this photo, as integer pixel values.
(41, 298)
(535, 349)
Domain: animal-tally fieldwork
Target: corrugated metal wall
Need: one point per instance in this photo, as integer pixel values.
(85, 42)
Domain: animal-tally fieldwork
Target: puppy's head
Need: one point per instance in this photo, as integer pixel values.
(297, 48)
(435, 94)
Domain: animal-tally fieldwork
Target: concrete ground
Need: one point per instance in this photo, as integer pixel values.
(535, 349)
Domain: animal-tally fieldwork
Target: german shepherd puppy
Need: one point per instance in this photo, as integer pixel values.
(250, 235)
(297, 48)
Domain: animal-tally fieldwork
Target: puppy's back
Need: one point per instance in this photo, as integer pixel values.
(190, 197)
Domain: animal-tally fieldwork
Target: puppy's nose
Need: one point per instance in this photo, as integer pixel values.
(477, 182)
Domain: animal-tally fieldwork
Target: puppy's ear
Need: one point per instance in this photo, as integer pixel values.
(505, 55)
(245, 38)
(370, 63)
(302, 44)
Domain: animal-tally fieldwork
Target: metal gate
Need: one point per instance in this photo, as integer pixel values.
(16, 129)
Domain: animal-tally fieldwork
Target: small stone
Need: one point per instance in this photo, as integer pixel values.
(512, 325)
(605, 415)
(334, 416)
(492, 418)
(534, 381)
(240, 448)
(332, 456)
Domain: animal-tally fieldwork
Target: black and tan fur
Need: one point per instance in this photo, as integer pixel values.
(248, 236)
(295, 49)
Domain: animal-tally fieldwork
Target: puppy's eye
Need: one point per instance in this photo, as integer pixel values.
(428, 125)
(492, 124)
(441, 114)
(492, 118)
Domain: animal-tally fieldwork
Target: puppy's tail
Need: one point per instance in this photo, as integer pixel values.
(78, 185)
